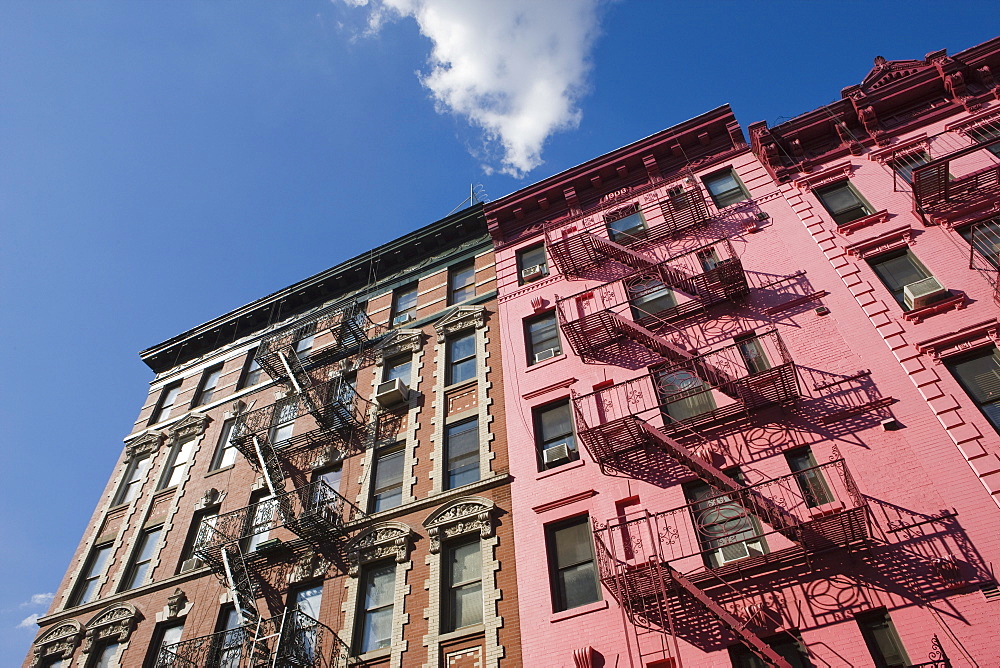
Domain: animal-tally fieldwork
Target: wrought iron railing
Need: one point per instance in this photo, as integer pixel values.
(957, 179)
(709, 388)
(290, 639)
(717, 530)
(315, 510)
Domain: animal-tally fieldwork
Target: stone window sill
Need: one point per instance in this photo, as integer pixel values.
(559, 469)
(537, 365)
(576, 612)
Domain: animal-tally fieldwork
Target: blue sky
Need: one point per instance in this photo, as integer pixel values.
(163, 163)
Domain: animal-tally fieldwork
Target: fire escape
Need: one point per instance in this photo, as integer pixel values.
(661, 565)
(237, 543)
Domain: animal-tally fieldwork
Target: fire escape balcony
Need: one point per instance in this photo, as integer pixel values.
(314, 512)
(958, 183)
(588, 239)
(292, 639)
(654, 563)
(984, 251)
(677, 399)
(350, 328)
(647, 302)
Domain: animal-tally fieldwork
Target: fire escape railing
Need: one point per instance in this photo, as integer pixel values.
(351, 329)
(705, 390)
(583, 240)
(290, 639)
(958, 182)
(984, 251)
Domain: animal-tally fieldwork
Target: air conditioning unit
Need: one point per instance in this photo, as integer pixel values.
(191, 564)
(391, 393)
(557, 454)
(922, 293)
(533, 273)
(545, 354)
(741, 550)
(402, 319)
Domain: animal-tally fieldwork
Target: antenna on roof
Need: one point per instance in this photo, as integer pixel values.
(477, 194)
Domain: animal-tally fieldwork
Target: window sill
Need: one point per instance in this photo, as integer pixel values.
(576, 612)
(220, 470)
(471, 630)
(461, 385)
(864, 221)
(559, 469)
(916, 315)
(560, 356)
(373, 655)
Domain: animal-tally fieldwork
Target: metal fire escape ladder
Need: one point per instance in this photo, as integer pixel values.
(739, 629)
(239, 584)
(783, 522)
(270, 466)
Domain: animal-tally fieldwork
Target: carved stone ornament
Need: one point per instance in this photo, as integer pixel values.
(458, 318)
(463, 515)
(59, 642)
(894, 239)
(399, 342)
(210, 497)
(583, 657)
(979, 335)
(176, 603)
(114, 623)
(388, 539)
(145, 445)
(191, 426)
(310, 565)
(835, 173)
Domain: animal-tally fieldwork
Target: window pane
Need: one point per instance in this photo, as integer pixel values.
(573, 545)
(106, 658)
(463, 283)
(226, 455)
(578, 585)
(725, 189)
(462, 358)
(899, 271)
(307, 601)
(571, 563)
(556, 422)
(531, 257)
(398, 369)
(468, 605)
(388, 492)
(463, 453)
(379, 590)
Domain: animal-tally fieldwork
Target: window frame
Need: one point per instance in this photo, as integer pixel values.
(173, 465)
(810, 479)
(99, 655)
(224, 446)
(365, 609)
(161, 405)
(450, 474)
(94, 569)
(452, 363)
(131, 484)
(522, 265)
(248, 371)
(541, 441)
(397, 362)
(458, 294)
(533, 346)
(880, 615)
(200, 398)
(727, 195)
(397, 295)
(844, 216)
(897, 293)
(560, 602)
(450, 589)
(200, 519)
(395, 450)
(138, 570)
(966, 385)
(159, 641)
(627, 235)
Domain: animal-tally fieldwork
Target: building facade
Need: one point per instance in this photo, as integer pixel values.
(319, 478)
(752, 386)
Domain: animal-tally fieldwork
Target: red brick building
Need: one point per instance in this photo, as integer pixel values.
(315, 479)
(753, 387)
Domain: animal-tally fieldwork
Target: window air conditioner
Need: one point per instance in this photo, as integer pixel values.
(391, 393)
(557, 454)
(922, 293)
(740, 550)
(402, 319)
(191, 564)
(545, 354)
(533, 273)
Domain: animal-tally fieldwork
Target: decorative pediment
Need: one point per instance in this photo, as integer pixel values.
(458, 318)
(399, 342)
(145, 445)
(835, 173)
(58, 642)
(979, 335)
(388, 539)
(309, 566)
(191, 426)
(114, 623)
(894, 239)
(463, 515)
(886, 72)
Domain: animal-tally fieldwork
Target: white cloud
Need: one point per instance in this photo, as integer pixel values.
(39, 599)
(514, 68)
(28, 622)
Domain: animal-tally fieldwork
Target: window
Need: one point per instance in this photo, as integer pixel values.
(880, 636)
(984, 237)
(142, 558)
(897, 270)
(726, 530)
(788, 645)
(264, 508)
(905, 165)
(377, 594)
(462, 581)
(330, 476)
(571, 564)
(201, 532)
(979, 374)
(554, 436)
(725, 188)
(89, 584)
(325, 498)
(105, 656)
(708, 258)
(206, 387)
(177, 462)
(284, 421)
(164, 636)
(542, 337)
(462, 283)
(461, 358)
(304, 345)
(810, 480)
(387, 489)
(165, 404)
(307, 601)
(462, 448)
(985, 134)
(404, 305)
(531, 264)
(229, 647)
(684, 395)
(137, 469)
(225, 451)
(648, 297)
(626, 224)
(752, 353)
(252, 373)
(398, 367)
(843, 203)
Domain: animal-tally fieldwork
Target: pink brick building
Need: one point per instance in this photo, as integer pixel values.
(752, 390)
